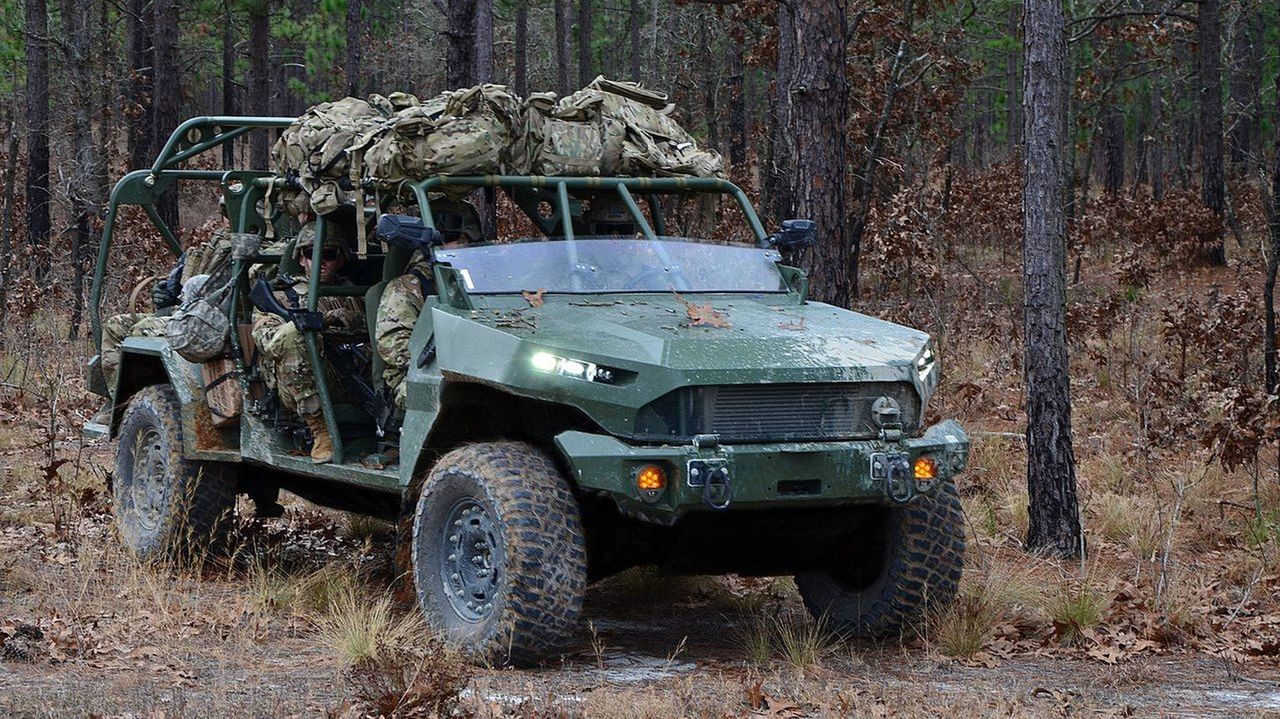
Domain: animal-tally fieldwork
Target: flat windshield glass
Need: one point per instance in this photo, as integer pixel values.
(611, 264)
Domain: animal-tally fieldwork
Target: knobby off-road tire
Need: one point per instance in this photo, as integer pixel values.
(915, 564)
(499, 560)
(167, 507)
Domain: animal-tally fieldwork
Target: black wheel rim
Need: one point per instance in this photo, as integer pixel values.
(147, 490)
(469, 560)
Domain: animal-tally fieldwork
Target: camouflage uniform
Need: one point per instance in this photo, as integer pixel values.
(403, 297)
(397, 314)
(200, 259)
(117, 328)
(282, 349)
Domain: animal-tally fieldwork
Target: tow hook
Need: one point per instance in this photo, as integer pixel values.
(713, 476)
(895, 471)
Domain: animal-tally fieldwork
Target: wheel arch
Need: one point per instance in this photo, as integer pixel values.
(145, 362)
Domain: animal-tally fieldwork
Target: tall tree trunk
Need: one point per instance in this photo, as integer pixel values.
(1157, 145)
(168, 101)
(1245, 81)
(37, 32)
(6, 217)
(355, 48)
(1271, 372)
(461, 31)
(1208, 37)
(634, 25)
(1051, 480)
(228, 79)
(782, 148)
(522, 47)
(563, 24)
(813, 83)
(586, 24)
(260, 78)
(1113, 146)
(737, 105)
(1012, 103)
(483, 58)
(710, 82)
(142, 82)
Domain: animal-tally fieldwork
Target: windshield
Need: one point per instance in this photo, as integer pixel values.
(615, 265)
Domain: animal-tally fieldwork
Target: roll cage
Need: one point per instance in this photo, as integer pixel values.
(545, 200)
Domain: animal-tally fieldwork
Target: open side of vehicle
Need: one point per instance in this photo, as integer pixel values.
(576, 405)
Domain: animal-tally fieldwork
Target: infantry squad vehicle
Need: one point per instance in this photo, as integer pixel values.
(578, 403)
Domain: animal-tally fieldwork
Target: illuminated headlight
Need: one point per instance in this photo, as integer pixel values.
(551, 364)
(926, 362)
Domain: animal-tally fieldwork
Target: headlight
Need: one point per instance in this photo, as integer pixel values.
(578, 369)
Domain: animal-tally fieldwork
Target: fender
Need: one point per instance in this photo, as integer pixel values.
(145, 361)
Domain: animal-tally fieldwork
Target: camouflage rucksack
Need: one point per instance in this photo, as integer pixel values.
(315, 150)
(568, 144)
(473, 131)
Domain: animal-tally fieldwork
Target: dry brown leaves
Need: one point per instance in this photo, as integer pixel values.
(703, 315)
(533, 298)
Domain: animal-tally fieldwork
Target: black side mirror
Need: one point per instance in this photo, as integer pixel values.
(794, 235)
(409, 232)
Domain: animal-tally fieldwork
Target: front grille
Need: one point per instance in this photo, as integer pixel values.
(777, 412)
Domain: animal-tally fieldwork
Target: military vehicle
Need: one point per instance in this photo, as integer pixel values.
(581, 402)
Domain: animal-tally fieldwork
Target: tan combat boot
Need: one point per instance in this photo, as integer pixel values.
(321, 443)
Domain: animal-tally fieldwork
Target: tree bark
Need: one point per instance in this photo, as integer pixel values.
(482, 71)
(168, 99)
(461, 31)
(1113, 146)
(563, 24)
(634, 25)
(1051, 482)
(260, 78)
(586, 24)
(710, 83)
(1012, 103)
(813, 87)
(1208, 36)
(1271, 373)
(37, 32)
(229, 104)
(6, 217)
(737, 105)
(142, 82)
(355, 48)
(85, 176)
(1245, 81)
(522, 48)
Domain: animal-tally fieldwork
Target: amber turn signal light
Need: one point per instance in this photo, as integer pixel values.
(651, 478)
(926, 469)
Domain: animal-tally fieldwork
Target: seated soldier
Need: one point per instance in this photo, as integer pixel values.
(203, 258)
(281, 347)
(404, 296)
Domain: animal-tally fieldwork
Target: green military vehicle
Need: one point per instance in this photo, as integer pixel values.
(581, 402)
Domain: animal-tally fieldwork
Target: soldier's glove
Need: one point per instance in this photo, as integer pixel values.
(165, 293)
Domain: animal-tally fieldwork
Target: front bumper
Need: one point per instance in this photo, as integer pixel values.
(754, 476)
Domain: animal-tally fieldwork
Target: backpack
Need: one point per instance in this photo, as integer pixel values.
(315, 148)
(199, 328)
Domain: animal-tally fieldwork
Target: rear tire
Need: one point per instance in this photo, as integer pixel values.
(916, 567)
(167, 507)
(499, 560)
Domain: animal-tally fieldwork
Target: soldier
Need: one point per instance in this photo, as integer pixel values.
(205, 258)
(404, 296)
(282, 349)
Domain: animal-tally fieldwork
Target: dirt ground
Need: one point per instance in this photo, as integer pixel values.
(119, 640)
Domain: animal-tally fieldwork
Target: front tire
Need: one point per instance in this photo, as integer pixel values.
(167, 507)
(910, 564)
(499, 560)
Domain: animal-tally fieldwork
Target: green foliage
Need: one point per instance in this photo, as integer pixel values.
(321, 35)
(13, 48)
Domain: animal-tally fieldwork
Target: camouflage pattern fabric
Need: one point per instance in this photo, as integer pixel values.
(212, 257)
(398, 312)
(117, 328)
(286, 364)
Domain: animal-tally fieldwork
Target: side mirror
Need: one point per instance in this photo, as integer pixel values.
(409, 232)
(794, 235)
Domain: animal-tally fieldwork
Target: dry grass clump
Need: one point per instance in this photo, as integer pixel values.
(1131, 521)
(1077, 606)
(358, 628)
(989, 595)
(793, 636)
(425, 682)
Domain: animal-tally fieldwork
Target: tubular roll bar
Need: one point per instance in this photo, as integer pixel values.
(201, 134)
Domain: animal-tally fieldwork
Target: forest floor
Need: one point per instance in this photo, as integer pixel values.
(1175, 612)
